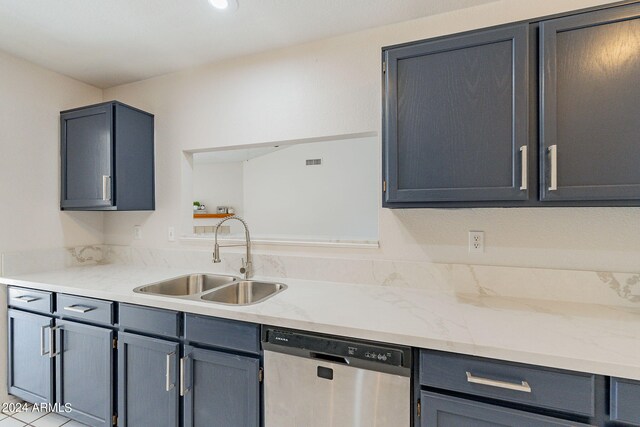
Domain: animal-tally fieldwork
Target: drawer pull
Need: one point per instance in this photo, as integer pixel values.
(79, 308)
(44, 352)
(53, 343)
(106, 188)
(524, 174)
(183, 389)
(26, 298)
(553, 180)
(523, 386)
(168, 384)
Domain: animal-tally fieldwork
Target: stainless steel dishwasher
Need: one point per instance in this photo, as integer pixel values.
(312, 380)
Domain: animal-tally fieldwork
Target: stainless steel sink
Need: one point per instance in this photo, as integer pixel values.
(217, 288)
(244, 292)
(191, 284)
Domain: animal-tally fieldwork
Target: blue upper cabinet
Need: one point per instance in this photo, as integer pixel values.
(590, 106)
(456, 120)
(107, 158)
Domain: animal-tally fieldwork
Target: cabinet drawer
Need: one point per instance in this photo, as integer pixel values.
(223, 333)
(447, 411)
(151, 320)
(625, 401)
(87, 309)
(540, 387)
(28, 299)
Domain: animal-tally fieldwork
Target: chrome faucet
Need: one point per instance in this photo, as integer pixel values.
(246, 268)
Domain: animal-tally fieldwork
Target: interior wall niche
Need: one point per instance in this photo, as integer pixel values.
(325, 190)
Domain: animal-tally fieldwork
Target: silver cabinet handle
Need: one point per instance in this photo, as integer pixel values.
(168, 384)
(79, 308)
(106, 188)
(524, 165)
(26, 298)
(53, 347)
(183, 389)
(42, 350)
(553, 179)
(523, 386)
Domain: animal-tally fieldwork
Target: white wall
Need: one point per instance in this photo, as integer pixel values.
(218, 184)
(333, 87)
(30, 218)
(337, 200)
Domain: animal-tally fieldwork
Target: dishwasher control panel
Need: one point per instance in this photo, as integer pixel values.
(325, 348)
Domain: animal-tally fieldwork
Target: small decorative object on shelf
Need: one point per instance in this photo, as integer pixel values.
(199, 208)
(223, 209)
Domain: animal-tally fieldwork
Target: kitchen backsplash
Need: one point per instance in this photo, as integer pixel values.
(591, 287)
(26, 262)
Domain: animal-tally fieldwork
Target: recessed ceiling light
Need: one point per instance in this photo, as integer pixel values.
(224, 4)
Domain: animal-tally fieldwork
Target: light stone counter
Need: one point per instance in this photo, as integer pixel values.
(575, 336)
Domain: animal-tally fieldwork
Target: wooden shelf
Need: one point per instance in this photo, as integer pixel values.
(208, 215)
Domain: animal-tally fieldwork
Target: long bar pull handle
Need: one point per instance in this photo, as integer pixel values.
(168, 384)
(106, 188)
(26, 298)
(44, 352)
(553, 180)
(524, 168)
(523, 386)
(53, 350)
(79, 308)
(183, 389)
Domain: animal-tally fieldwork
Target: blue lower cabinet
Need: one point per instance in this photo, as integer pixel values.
(446, 411)
(147, 381)
(220, 389)
(625, 401)
(30, 365)
(84, 372)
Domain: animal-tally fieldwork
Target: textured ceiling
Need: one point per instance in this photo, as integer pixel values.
(110, 42)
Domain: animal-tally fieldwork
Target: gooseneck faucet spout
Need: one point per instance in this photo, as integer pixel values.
(246, 268)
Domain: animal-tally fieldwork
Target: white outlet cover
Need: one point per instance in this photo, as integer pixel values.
(137, 232)
(171, 234)
(476, 242)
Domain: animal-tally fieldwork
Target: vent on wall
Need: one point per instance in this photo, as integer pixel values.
(314, 162)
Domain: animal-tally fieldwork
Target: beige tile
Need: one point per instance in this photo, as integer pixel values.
(28, 416)
(11, 422)
(73, 423)
(50, 420)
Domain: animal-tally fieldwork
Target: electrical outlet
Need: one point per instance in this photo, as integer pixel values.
(137, 232)
(171, 234)
(476, 242)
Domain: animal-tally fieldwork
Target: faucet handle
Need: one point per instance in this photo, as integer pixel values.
(243, 269)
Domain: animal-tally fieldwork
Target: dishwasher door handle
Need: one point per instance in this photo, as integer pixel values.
(330, 358)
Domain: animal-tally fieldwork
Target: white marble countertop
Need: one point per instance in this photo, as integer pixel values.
(581, 337)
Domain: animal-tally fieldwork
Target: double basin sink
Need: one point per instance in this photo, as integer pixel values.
(216, 288)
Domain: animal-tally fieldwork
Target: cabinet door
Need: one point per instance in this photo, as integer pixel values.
(625, 401)
(456, 118)
(147, 381)
(222, 390)
(446, 411)
(84, 372)
(30, 366)
(86, 157)
(590, 106)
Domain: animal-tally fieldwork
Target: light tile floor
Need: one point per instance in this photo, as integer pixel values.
(35, 419)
